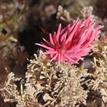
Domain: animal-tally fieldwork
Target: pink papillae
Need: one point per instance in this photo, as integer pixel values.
(71, 43)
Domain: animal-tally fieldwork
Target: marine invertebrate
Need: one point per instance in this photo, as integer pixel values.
(74, 41)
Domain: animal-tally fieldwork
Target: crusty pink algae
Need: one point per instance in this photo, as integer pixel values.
(71, 43)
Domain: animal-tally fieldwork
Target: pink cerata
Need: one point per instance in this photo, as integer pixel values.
(71, 43)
